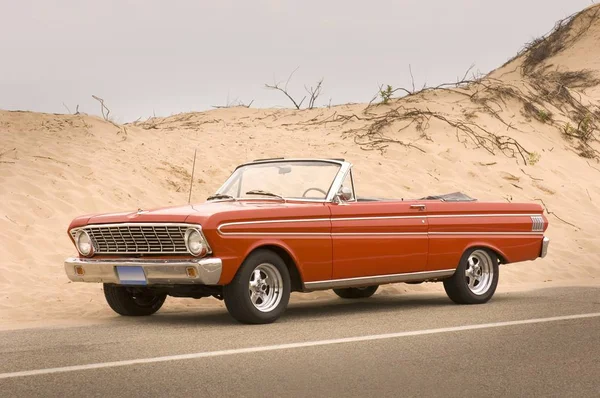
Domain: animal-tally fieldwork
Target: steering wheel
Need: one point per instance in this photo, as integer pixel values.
(314, 189)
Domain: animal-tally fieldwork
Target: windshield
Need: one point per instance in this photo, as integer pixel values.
(290, 180)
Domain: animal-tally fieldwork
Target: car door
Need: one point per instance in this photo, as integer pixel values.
(378, 238)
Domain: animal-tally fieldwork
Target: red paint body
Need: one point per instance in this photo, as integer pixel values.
(333, 241)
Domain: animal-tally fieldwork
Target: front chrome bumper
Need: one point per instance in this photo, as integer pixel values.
(545, 243)
(205, 271)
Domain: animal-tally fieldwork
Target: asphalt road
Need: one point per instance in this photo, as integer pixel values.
(407, 345)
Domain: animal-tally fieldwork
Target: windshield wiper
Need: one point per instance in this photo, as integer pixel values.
(265, 193)
(219, 196)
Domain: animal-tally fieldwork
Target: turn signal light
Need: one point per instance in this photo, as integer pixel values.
(192, 272)
(79, 271)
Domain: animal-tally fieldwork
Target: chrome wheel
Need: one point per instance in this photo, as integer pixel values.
(265, 287)
(479, 272)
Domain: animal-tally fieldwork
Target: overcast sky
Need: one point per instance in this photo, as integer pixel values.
(166, 57)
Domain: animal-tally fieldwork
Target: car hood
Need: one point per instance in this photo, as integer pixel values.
(163, 214)
(194, 213)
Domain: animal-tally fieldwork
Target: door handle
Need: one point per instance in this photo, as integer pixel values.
(420, 207)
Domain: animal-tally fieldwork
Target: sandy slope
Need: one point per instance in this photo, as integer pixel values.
(55, 167)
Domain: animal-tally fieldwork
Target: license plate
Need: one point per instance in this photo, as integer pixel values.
(131, 275)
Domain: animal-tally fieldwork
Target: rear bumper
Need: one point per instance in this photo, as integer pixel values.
(545, 244)
(205, 271)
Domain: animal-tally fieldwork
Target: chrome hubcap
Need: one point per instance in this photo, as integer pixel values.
(265, 287)
(479, 272)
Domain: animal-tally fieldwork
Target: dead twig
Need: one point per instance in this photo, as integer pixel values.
(284, 90)
(412, 79)
(554, 214)
(105, 116)
(49, 158)
(11, 220)
(103, 108)
(592, 166)
(314, 93)
(530, 176)
(437, 179)
(5, 152)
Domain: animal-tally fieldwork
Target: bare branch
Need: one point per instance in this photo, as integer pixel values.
(314, 93)
(284, 91)
(554, 214)
(49, 158)
(412, 78)
(103, 108)
(530, 176)
(276, 86)
(464, 78)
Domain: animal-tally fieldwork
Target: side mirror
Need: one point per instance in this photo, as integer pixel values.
(345, 194)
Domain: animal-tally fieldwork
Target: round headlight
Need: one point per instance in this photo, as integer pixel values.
(84, 243)
(195, 242)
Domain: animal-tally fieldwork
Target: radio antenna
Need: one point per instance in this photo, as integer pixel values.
(192, 180)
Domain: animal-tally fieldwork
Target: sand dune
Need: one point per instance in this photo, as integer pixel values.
(526, 132)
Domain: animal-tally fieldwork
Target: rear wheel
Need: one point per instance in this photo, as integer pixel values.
(356, 292)
(260, 291)
(129, 301)
(475, 279)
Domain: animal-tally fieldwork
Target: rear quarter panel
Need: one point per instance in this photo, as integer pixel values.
(506, 228)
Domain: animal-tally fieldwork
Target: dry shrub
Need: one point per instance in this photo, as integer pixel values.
(560, 37)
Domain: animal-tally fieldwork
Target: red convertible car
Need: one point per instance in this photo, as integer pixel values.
(283, 225)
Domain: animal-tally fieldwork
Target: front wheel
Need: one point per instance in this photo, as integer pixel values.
(129, 301)
(260, 291)
(475, 279)
(356, 292)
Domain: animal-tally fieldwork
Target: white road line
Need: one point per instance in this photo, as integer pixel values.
(276, 347)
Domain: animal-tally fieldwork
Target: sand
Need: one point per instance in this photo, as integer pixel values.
(56, 167)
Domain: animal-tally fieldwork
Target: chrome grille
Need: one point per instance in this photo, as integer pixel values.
(138, 238)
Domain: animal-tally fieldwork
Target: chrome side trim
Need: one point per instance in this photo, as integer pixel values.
(479, 215)
(375, 218)
(378, 280)
(272, 221)
(277, 221)
(545, 244)
(323, 233)
(376, 233)
(156, 271)
(487, 233)
(276, 233)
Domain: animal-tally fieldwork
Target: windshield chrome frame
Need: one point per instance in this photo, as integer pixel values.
(334, 188)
